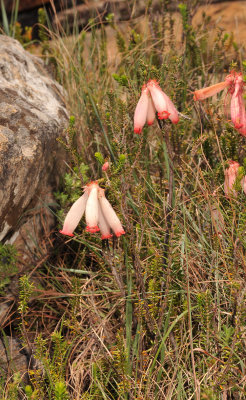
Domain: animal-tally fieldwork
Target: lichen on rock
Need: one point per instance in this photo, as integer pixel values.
(32, 116)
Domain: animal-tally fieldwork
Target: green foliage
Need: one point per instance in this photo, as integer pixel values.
(42, 21)
(26, 290)
(50, 383)
(99, 157)
(8, 267)
(60, 391)
(159, 313)
(121, 79)
(11, 27)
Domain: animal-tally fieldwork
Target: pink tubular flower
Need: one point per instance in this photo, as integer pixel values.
(162, 102)
(159, 100)
(243, 183)
(243, 129)
(141, 110)
(150, 112)
(110, 215)
(234, 83)
(103, 225)
(230, 178)
(99, 214)
(91, 209)
(237, 106)
(105, 166)
(74, 215)
(153, 99)
(209, 91)
(173, 113)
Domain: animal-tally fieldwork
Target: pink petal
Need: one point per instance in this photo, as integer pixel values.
(105, 166)
(91, 210)
(110, 215)
(103, 225)
(210, 90)
(237, 105)
(67, 233)
(159, 100)
(74, 215)
(141, 110)
(150, 112)
(242, 129)
(173, 113)
(236, 111)
(243, 183)
(230, 177)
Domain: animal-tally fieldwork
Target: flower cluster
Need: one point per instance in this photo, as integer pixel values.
(234, 83)
(231, 174)
(99, 214)
(151, 100)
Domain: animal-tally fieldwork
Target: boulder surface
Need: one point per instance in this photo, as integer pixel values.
(32, 117)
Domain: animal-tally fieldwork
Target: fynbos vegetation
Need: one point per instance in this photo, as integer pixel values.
(158, 313)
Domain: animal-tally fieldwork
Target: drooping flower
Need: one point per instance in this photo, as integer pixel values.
(104, 226)
(110, 215)
(230, 177)
(141, 110)
(99, 214)
(238, 113)
(91, 209)
(234, 83)
(173, 113)
(237, 108)
(153, 99)
(163, 104)
(242, 130)
(231, 174)
(150, 112)
(74, 215)
(209, 91)
(105, 166)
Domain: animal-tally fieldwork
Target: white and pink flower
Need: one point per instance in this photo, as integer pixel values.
(105, 166)
(234, 83)
(141, 111)
(230, 179)
(153, 99)
(110, 215)
(99, 214)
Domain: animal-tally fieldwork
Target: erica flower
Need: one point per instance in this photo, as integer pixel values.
(163, 104)
(234, 83)
(91, 209)
(109, 214)
(237, 107)
(99, 214)
(105, 166)
(140, 115)
(238, 114)
(153, 99)
(231, 174)
(74, 215)
(209, 91)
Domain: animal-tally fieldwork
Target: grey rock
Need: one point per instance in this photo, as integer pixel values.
(32, 116)
(13, 357)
